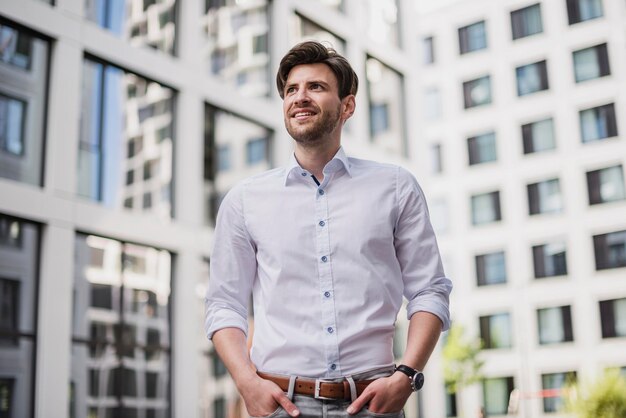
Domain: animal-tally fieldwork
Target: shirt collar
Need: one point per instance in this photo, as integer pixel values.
(339, 160)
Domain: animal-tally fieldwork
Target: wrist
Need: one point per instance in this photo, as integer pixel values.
(400, 381)
(414, 376)
(246, 379)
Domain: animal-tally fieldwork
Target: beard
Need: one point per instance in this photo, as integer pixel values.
(314, 132)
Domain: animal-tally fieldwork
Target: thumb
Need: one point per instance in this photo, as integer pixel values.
(287, 405)
(360, 402)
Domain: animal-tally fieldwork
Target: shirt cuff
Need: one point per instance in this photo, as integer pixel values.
(433, 305)
(225, 319)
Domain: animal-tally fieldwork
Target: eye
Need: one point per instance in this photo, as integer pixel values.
(316, 86)
(290, 90)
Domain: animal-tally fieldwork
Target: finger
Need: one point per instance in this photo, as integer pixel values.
(360, 402)
(287, 405)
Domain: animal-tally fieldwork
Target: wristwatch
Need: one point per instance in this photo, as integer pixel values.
(415, 376)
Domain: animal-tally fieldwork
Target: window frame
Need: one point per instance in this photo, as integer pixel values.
(541, 68)
(518, 22)
(539, 262)
(602, 250)
(601, 60)
(604, 116)
(566, 324)
(465, 37)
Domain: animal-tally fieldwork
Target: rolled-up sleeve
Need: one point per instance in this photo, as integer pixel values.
(232, 268)
(425, 285)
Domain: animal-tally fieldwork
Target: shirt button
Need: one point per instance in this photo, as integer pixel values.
(321, 191)
(303, 174)
(333, 366)
(327, 294)
(330, 330)
(322, 223)
(324, 258)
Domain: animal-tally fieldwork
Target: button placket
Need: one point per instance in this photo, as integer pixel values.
(325, 280)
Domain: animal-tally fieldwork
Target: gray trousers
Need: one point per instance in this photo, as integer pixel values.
(316, 408)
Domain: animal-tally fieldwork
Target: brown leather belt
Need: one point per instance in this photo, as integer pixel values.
(318, 388)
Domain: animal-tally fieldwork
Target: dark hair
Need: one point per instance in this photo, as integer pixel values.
(311, 52)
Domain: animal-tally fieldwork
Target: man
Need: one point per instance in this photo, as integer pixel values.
(327, 246)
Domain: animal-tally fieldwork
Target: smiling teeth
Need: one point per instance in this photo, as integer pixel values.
(304, 114)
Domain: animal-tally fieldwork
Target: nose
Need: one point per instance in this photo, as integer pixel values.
(301, 97)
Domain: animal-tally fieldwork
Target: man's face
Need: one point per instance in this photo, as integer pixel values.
(312, 109)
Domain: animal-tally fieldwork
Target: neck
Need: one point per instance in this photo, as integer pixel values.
(314, 159)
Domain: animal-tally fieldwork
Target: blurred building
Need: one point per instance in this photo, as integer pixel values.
(124, 122)
(522, 107)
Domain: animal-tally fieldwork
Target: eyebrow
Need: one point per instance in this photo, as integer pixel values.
(325, 84)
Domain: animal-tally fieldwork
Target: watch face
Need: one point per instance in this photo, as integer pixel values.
(418, 381)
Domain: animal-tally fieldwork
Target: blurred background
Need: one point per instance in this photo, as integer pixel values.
(124, 122)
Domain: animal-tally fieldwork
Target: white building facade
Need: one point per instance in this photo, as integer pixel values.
(522, 107)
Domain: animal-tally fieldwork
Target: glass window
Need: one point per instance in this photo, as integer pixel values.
(382, 21)
(549, 260)
(598, 123)
(610, 250)
(495, 331)
(428, 50)
(10, 232)
(590, 63)
(12, 115)
(544, 197)
(477, 92)
(110, 119)
(486, 208)
(148, 23)
(496, 394)
(7, 396)
(613, 318)
(555, 381)
(451, 405)
(227, 136)
(555, 325)
(121, 346)
(482, 148)
(606, 185)
(302, 29)
(581, 10)
(19, 258)
(526, 21)
(538, 136)
(219, 368)
(23, 90)
(219, 408)
(432, 104)
(472, 37)
(490, 268)
(256, 151)
(532, 78)
(224, 162)
(237, 47)
(385, 88)
(436, 159)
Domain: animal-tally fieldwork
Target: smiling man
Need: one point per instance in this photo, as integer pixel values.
(327, 247)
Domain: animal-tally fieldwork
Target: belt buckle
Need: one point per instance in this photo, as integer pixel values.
(318, 384)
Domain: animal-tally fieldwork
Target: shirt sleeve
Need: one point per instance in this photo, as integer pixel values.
(232, 268)
(425, 285)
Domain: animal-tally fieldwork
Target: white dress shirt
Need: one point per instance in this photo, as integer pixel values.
(327, 265)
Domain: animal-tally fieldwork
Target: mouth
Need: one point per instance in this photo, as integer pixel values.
(303, 115)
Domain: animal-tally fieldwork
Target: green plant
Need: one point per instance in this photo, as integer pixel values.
(461, 365)
(604, 398)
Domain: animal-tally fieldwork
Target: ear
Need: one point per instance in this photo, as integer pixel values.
(348, 105)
